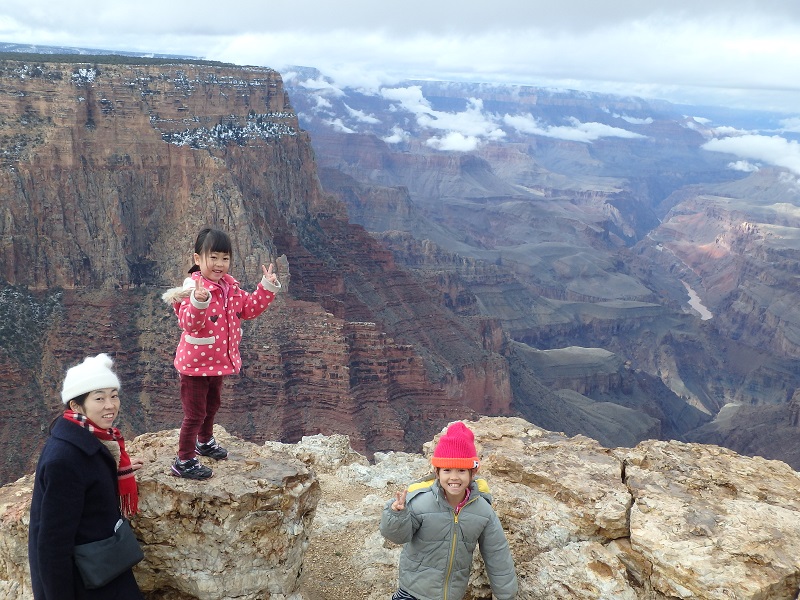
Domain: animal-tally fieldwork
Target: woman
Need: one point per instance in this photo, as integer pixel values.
(84, 484)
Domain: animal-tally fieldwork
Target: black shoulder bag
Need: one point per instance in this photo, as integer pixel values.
(101, 562)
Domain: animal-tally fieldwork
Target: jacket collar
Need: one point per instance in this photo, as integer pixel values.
(81, 438)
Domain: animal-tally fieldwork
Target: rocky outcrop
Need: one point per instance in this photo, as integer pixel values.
(241, 534)
(660, 521)
(248, 525)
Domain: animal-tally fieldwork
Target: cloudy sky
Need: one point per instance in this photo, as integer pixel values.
(738, 53)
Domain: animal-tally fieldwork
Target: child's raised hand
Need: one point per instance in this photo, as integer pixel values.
(399, 501)
(200, 292)
(269, 275)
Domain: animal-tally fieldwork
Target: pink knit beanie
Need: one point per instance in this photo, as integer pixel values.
(456, 449)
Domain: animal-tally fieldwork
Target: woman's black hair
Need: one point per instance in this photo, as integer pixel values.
(211, 240)
(79, 400)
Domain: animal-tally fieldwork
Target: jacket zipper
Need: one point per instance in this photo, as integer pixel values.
(452, 556)
(453, 548)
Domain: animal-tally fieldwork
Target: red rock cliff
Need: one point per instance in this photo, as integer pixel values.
(107, 173)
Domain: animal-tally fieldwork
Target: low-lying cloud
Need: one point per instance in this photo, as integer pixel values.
(466, 130)
(791, 125)
(361, 116)
(339, 126)
(471, 122)
(454, 142)
(636, 120)
(463, 131)
(575, 132)
(320, 84)
(397, 136)
(774, 150)
(743, 165)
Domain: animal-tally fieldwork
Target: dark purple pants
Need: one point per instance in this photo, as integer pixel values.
(200, 397)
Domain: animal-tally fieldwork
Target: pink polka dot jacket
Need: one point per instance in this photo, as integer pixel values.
(212, 330)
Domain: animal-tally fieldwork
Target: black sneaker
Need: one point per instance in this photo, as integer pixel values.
(211, 449)
(190, 469)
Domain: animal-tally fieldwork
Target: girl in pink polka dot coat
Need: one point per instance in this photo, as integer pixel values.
(210, 307)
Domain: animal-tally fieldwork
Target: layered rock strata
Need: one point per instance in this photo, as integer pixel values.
(108, 171)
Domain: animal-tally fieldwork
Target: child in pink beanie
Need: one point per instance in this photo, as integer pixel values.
(441, 520)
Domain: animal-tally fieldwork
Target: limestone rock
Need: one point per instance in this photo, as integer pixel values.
(15, 501)
(241, 534)
(661, 521)
(714, 524)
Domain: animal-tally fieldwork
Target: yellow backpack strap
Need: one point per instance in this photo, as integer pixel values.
(483, 486)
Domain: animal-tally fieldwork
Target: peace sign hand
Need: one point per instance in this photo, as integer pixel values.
(269, 275)
(200, 292)
(399, 501)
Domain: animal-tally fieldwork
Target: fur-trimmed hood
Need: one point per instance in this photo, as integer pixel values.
(177, 294)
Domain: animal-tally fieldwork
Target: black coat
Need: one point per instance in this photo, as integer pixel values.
(75, 501)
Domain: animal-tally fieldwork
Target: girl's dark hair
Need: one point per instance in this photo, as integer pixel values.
(211, 240)
(79, 400)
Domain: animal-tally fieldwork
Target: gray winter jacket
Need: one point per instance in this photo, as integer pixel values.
(438, 544)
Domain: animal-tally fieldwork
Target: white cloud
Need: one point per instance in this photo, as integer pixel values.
(410, 98)
(339, 126)
(361, 116)
(397, 136)
(793, 181)
(791, 125)
(454, 142)
(367, 80)
(364, 16)
(471, 122)
(727, 131)
(723, 52)
(743, 165)
(323, 104)
(576, 132)
(773, 150)
(321, 85)
(465, 129)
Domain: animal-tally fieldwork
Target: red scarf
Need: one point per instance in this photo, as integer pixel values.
(128, 492)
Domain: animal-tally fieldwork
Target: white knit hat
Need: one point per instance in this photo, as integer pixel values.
(94, 373)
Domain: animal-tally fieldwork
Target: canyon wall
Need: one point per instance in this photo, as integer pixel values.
(606, 241)
(108, 171)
